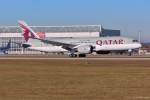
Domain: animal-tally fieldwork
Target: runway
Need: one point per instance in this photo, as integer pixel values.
(46, 58)
(64, 57)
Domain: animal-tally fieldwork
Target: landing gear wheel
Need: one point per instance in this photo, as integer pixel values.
(82, 55)
(130, 54)
(73, 55)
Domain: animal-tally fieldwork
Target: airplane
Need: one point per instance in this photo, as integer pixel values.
(6, 48)
(79, 47)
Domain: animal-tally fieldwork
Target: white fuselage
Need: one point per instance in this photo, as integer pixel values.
(117, 47)
(99, 44)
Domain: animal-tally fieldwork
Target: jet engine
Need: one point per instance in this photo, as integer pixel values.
(86, 49)
(26, 45)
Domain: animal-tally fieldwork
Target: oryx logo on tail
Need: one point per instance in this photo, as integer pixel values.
(27, 31)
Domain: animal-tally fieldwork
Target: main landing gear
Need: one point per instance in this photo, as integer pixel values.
(75, 55)
(82, 55)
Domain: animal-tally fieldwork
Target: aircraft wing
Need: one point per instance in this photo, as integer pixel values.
(55, 43)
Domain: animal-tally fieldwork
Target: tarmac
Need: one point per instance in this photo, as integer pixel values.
(9, 57)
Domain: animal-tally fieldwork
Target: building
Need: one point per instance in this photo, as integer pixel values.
(15, 34)
(109, 32)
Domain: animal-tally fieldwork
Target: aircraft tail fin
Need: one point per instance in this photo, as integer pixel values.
(5, 49)
(9, 44)
(27, 31)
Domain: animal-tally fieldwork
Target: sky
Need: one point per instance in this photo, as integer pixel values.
(130, 16)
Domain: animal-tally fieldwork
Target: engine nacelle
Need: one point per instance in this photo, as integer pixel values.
(26, 45)
(87, 49)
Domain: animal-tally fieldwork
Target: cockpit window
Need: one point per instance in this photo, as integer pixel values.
(135, 41)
